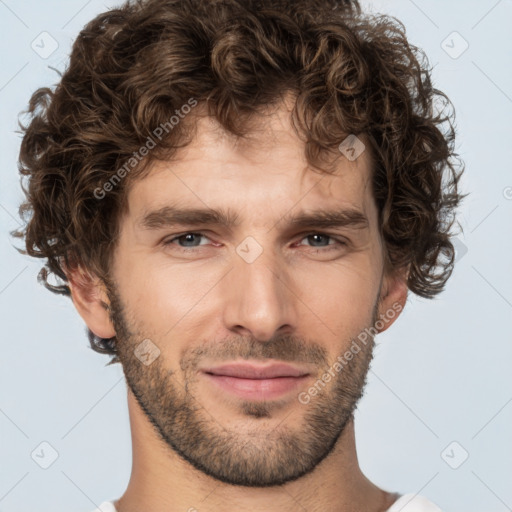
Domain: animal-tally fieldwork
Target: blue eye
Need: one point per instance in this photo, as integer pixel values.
(324, 236)
(184, 236)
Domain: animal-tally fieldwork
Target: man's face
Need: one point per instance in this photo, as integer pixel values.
(259, 292)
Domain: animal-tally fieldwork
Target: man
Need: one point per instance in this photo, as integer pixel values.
(238, 196)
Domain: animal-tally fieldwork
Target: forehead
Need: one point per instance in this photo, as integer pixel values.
(264, 176)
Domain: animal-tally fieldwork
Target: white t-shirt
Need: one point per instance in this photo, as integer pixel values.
(406, 503)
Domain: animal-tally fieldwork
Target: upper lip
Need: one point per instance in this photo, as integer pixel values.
(253, 371)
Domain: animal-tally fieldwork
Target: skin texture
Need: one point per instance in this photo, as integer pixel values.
(303, 300)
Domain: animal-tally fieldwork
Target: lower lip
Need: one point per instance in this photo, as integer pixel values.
(257, 389)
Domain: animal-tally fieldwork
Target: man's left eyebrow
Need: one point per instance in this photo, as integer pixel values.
(328, 219)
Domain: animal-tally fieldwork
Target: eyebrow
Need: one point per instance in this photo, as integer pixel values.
(169, 216)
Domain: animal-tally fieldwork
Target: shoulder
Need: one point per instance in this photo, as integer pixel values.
(106, 506)
(413, 503)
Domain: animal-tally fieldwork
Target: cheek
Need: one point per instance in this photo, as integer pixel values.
(160, 295)
(339, 296)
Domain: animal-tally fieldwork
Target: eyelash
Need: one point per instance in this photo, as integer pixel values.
(319, 249)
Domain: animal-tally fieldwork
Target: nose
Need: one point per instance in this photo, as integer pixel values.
(258, 298)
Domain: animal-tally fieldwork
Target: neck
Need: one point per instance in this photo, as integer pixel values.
(161, 481)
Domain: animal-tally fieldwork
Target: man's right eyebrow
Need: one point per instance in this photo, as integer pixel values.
(169, 216)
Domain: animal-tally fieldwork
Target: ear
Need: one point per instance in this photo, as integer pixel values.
(393, 298)
(90, 298)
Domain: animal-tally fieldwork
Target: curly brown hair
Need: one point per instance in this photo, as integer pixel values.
(133, 67)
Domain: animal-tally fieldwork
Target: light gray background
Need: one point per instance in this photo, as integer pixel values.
(441, 374)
